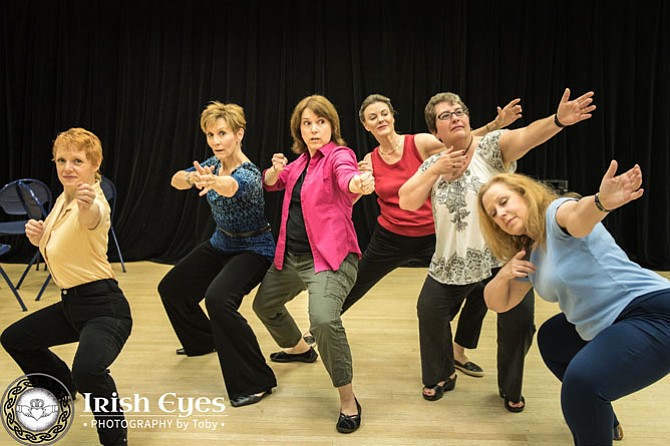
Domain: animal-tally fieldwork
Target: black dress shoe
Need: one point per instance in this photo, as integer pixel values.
(347, 424)
(246, 400)
(309, 356)
(182, 351)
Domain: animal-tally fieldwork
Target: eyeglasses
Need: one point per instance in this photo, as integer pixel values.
(445, 116)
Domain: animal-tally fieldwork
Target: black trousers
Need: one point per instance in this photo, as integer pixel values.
(436, 308)
(387, 251)
(222, 280)
(98, 316)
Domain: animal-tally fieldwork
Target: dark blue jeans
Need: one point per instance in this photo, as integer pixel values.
(98, 316)
(629, 355)
(388, 251)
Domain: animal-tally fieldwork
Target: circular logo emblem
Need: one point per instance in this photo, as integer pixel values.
(37, 409)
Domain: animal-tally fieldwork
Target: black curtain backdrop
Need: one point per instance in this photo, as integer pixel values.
(139, 73)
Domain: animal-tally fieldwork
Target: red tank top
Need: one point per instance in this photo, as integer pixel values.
(388, 179)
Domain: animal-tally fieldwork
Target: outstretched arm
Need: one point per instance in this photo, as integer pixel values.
(506, 116)
(206, 180)
(363, 183)
(181, 180)
(514, 144)
(580, 217)
(428, 144)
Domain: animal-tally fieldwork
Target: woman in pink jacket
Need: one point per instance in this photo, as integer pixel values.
(317, 248)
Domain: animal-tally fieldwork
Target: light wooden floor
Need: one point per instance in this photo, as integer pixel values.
(382, 329)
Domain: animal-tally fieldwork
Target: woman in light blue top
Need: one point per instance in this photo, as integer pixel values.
(612, 336)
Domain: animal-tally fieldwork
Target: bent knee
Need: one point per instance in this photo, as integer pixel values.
(165, 288)
(580, 383)
(10, 339)
(262, 309)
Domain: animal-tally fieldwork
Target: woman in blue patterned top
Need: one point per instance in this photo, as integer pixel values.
(229, 265)
(612, 337)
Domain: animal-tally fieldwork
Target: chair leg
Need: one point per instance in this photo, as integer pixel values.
(46, 282)
(118, 249)
(16, 293)
(25, 271)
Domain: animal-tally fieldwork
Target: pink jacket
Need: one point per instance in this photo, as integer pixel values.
(326, 205)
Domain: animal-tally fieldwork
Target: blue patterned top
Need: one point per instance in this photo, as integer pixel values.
(243, 212)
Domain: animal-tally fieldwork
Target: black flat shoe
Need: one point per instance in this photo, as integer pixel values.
(469, 368)
(309, 356)
(182, 351)
(309, 339)
(449, 385)
(347, 424)
(246, 400)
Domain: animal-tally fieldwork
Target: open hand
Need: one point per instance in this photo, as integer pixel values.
(510, 113)
(572, 112)
(615, 191)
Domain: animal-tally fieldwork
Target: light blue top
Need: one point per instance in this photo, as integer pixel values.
(591, 278)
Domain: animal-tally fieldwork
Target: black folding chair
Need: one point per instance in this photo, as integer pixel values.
(4, 248)
(36, 211)
(13, 206)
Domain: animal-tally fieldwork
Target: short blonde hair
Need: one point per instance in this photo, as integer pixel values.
(321, 107)
(232, 114)
(537, 197)
(80, 139)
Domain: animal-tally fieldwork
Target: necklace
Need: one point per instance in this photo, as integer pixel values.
(395, 149)
(469, 144)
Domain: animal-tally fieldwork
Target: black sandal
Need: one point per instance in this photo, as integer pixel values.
(347, 424)
(512, 408)
(439, 389)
